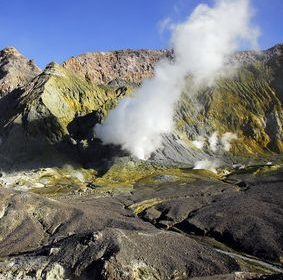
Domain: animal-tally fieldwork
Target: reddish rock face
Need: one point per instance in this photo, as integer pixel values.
(117, 67)
(15, 70)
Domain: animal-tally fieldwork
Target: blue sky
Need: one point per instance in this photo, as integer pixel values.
(54, 30)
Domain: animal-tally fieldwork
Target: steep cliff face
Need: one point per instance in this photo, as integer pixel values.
(272, 58)
(63, 96)
(246, 104)
(118, 67)
(15, 70)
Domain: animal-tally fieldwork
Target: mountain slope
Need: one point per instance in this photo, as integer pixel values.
(50, 111)
(246, 104)
(15, 70)
(62, 107)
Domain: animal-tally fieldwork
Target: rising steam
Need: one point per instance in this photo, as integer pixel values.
(201, 45)
(208, 164)
(214, 143)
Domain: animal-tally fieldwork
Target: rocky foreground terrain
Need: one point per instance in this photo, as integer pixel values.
(73, 208)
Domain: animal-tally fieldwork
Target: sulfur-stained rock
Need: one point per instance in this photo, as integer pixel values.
(56, 107)
(60, 108)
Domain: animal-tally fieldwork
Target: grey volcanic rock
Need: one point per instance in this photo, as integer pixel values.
(245, 214)
(241, 276)
(15, 70)
(89, 236)
(177, 200)
(250, 221)
(38, 221)
(95, 237)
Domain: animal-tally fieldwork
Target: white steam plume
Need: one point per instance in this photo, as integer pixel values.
(208, 164)
(226, 140)
(213, 141)
(201, 45)
(199, 142)
(216, 144)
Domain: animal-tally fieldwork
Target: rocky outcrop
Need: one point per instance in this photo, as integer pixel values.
(57, 109)
(244, 211)
(95, 237)
(15, 70)
(158, 230)
(118, 68)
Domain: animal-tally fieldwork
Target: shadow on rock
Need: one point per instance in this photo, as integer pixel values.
(41, 143)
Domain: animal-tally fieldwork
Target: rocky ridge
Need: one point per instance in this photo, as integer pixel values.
(15, 70)
(118, 68)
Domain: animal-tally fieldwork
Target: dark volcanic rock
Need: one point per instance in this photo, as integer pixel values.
(81, 237)
(250, 221)
(241, 276)
(246, 215)
(95, 237)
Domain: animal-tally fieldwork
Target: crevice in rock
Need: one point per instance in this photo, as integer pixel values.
(187, 227)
